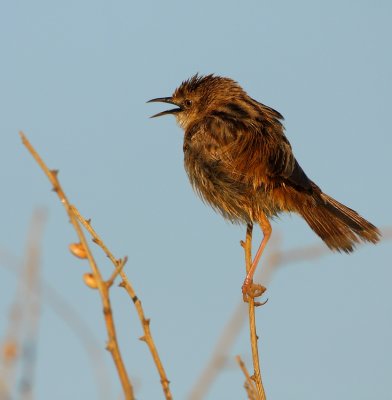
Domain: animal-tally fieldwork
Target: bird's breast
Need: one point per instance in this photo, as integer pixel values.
(218, 185)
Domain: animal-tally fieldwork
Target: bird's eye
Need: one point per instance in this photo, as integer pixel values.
(187, 103)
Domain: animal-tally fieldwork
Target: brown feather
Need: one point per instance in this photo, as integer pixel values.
(239, 161)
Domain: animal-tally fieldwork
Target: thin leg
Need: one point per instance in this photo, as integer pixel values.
(266, 229)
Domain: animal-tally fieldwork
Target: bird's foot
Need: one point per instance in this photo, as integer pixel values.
(252, 290)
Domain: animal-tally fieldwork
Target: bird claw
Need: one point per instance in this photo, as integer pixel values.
(251, 291)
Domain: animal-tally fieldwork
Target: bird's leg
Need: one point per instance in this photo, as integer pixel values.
(249, 288)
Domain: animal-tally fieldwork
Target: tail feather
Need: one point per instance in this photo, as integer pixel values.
(340, 227)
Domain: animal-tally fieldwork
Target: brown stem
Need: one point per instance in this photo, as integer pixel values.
(250, 384)
(147, 337)
(103, 289)
(276, 259)
(252, 320)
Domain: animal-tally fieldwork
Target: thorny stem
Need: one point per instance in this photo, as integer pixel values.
(147, 337)
(252, 320)
(120, 264)
(103, 289)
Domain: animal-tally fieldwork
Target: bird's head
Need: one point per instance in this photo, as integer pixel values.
(199, 96)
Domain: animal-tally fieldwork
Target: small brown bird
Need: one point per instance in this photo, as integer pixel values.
(239, 160)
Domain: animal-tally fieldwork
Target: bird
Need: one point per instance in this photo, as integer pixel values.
(240, 162)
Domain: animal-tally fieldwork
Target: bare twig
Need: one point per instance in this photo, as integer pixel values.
(276, 258)
(74, 321)
(147, 337)
(250, 387)
(118, 268)
(219, 355)
(103, 289)
(252, 319)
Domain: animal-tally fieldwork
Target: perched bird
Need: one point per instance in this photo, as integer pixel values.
(239, 161)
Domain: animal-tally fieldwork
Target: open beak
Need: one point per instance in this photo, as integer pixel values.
(165, 100)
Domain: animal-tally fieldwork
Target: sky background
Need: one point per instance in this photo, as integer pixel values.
(75, 77)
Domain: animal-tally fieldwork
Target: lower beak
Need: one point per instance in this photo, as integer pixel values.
(165, 100)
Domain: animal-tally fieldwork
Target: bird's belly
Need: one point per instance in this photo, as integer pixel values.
(231, 196)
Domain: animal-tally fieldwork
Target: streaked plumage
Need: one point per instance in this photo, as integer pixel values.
(239, 161)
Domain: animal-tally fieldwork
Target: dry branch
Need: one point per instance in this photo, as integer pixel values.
(277, 258)
(249, 385)
(252, 320)
(74, 321)
(118, 264)
(112, 344)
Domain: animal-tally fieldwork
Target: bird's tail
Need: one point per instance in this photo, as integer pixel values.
(340, 227)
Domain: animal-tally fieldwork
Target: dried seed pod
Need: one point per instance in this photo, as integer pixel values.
(90, 281)
(78, 250)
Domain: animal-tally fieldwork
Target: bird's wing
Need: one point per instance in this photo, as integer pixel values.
(282, 165)
(256, 152)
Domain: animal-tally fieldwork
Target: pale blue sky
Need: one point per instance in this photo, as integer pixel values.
(75, 77)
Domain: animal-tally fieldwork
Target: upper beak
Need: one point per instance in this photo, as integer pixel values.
(165, 100)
